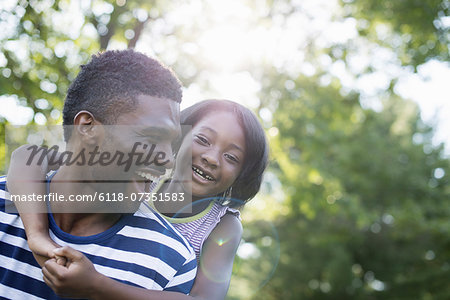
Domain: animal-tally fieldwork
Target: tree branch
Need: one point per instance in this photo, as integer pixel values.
(137, 33)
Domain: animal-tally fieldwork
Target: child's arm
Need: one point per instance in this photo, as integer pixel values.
(26, 179)
(80, 279)
(216, 261)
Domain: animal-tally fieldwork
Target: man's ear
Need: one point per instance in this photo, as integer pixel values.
(89, 129)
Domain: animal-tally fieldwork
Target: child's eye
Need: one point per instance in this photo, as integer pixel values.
(232, 158)
(202, 140)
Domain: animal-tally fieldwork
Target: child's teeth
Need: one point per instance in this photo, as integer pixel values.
(200, 172)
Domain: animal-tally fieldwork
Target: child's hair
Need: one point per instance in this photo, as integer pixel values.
(249, 180)
(108, 85)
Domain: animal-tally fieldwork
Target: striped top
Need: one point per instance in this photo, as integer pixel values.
(141, 249)
(197, 228)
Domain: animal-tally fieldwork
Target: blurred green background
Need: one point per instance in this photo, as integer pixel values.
(355, 204)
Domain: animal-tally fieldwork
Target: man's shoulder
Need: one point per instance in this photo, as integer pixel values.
(5, 203)
(3, 183)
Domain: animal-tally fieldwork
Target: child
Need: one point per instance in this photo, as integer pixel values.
(229, 155)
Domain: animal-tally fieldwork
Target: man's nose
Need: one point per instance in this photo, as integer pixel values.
(164, 155)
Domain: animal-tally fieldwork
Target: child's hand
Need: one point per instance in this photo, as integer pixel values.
(42, 247)
(76, 279)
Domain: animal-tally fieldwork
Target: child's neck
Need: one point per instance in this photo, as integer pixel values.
(190, 206)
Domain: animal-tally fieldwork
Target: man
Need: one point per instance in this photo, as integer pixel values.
(141, 98)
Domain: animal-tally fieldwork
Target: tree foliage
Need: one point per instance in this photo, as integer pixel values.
(414, 29)
(43, 51)
(367, 215)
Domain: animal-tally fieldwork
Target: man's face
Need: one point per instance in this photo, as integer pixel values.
(142, 135)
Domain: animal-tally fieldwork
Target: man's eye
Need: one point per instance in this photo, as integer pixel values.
(149, 138)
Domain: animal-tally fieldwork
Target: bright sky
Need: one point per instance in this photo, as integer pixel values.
(430, 90)
(232, 36)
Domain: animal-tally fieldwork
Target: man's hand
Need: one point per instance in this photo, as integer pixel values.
(76, 279)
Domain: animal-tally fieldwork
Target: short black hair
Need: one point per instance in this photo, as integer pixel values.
(108, 86)
(248, 183)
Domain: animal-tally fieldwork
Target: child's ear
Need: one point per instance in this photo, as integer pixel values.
(88, 128)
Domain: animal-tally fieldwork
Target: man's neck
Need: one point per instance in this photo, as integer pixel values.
(81, 218)
(85, 224)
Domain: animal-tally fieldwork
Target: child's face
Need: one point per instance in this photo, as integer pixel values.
(218, 152)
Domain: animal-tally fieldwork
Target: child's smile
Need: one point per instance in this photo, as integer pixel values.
(204, 175)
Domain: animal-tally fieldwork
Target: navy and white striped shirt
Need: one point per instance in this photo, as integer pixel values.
(142, 250)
